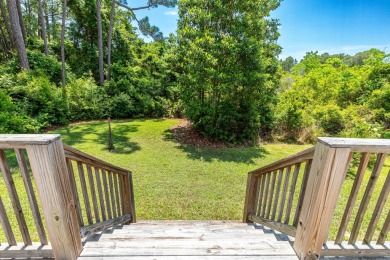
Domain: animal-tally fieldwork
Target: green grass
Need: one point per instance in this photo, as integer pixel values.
(175, 181)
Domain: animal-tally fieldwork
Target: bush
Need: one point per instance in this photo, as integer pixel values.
(11, 120)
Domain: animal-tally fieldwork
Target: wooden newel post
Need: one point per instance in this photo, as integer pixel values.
(323, 188)
(128, 196)
(250, 198)
(55, 192)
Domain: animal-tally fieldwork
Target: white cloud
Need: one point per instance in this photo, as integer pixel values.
(171, 13)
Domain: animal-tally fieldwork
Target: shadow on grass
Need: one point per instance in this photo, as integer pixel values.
(77, 135)
(238, 155)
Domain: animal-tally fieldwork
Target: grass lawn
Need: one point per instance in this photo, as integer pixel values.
(175, 181)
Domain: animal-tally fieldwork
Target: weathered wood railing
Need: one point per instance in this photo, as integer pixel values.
(273, 198)
(53, 195)
(109, 187)
(320, 186)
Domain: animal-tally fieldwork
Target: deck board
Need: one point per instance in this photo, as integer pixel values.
(191, 240)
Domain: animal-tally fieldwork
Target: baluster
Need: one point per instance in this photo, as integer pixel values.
(366, 197)
(365, 158)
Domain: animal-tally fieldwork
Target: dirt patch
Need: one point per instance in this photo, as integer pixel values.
(184, 133)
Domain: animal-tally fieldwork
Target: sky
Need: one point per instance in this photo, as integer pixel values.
(333, 26)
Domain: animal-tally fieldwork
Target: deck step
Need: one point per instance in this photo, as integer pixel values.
(191, 240)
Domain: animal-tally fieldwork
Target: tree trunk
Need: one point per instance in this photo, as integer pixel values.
(53, 22)
(43, 27)
(63, 44)
(110, 40)
(6, 21)
(17, 34)
(4, 41)
(46, 16)
(100, 41)
(21, 21)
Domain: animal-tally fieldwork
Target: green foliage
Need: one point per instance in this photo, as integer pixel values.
(324, 96)
(228, 51)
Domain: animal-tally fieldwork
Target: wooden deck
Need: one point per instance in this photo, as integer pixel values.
(188, 240)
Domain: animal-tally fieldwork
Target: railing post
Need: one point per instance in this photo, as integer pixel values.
(128, 196)
(55, 192)
(324, 184)
(250, 198)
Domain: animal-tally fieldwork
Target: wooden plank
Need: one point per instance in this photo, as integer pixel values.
(112, 196)
(358, 144)
(366, 197)
(266, 194)
(89, 159)
(364, 160)
(106, 194)
(121, 197)
(292, 192)
(271, 194)
(117, 201)
(32, 251)
(31, 195)
(191, 257)
(123, 249)
(85, 192)
(291, 160)
(357, 250)
(21, 140)
(378, 210)
(250, 196)
(284, 228)
(284, 195)
(13, 195)
(257, 194)
(302, 192)
(9, 234)
(98, 227)
(384, 231)
(261, 194)
(100, 192)
(277, 193)
(93, 194)
(324, 184)
(132, 201)
(74, 191)
(57, 200)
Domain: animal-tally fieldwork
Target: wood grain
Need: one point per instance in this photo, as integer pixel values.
(9, 234)
(85, 192)
(57, 200)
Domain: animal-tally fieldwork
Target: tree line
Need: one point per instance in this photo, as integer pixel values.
(69, 60)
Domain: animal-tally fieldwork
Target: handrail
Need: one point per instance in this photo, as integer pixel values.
(321, 183)
(43, 157)
(109, 188)
(97, 190)
(78, 155)
(291, 160)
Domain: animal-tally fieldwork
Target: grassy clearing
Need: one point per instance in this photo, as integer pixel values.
(174, 181)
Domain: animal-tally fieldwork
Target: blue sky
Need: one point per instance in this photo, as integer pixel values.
(334, 26)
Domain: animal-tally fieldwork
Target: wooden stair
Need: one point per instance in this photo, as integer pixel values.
(188, 240)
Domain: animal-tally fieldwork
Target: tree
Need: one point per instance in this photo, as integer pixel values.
(289, 63)
(43, 27)
(143, 24)
(228, 53)
(17, 34)
(100, 41)
(63, 43)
